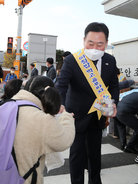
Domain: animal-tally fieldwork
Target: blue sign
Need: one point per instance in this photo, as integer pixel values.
(25, 46)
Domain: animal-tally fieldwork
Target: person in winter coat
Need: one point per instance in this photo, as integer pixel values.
(40, 133)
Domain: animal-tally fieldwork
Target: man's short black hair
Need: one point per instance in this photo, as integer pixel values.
(65, 54)
(97, 27)
(12, 68)
(32, 64)
(50, 60)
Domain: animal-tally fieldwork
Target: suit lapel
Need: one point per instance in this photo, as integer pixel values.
(104, 69)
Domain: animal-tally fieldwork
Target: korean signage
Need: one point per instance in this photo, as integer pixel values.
(130, 72)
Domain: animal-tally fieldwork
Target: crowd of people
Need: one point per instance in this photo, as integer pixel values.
(73, 95)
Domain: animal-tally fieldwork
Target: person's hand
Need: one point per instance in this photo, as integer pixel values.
(115, 111)
(62, 109)
(72, 114)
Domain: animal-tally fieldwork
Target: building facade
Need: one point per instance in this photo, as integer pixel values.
(126, 54)
(126, 51)
(125, 8)
(40, 47)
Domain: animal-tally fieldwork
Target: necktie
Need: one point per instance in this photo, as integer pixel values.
(95, 62)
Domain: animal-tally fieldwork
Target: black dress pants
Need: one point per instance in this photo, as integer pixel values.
(121, 131)
(86, 150)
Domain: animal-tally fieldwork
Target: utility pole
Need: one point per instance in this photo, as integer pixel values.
(19, 12)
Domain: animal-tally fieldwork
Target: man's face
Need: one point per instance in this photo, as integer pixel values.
(95, 40)
(47, 64)
(12, 71)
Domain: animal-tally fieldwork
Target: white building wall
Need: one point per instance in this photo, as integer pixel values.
(126, 54)
(125, 8)
(110, 4)
(40, 47)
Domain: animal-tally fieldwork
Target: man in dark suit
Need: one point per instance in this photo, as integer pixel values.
(86, 149)
(34, 71)
(51, 71)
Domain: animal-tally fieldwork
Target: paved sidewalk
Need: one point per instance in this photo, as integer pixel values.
(117, 167)
(117, 175)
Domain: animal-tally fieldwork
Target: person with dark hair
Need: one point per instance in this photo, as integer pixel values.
(11, 88)
(11, 75)
(51, 71)
(97, 28)
(39, 133)
(51, 100)
(65, 54)
(79, 83)
(25, 78)
(34, 71)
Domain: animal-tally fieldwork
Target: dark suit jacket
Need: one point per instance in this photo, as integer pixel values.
(51, 72)
(77, 95)
(34, 72)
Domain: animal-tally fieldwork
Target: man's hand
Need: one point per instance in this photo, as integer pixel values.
(62, 109)
(115, 111)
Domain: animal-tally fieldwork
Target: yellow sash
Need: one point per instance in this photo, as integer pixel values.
(94, 79)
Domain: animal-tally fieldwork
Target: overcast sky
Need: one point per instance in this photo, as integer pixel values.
(66, 19)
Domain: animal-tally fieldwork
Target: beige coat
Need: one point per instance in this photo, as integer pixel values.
(38, 134)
